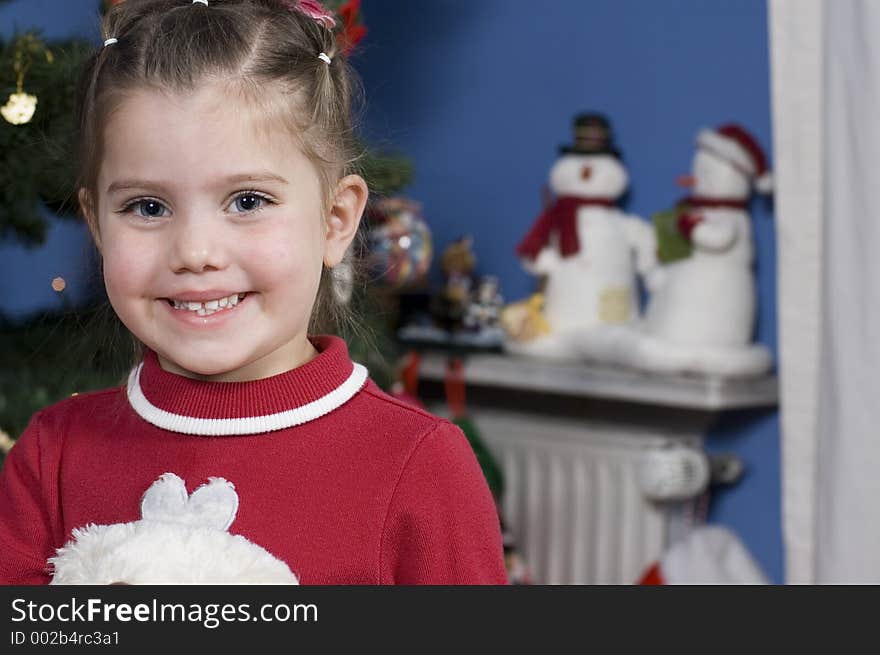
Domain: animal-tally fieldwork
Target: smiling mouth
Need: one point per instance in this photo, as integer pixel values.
(207, 307)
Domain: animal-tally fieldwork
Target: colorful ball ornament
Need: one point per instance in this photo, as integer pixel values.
(399, 242)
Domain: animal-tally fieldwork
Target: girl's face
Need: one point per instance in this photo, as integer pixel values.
(211, 229)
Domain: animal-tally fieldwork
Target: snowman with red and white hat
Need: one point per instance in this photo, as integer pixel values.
(701, 312)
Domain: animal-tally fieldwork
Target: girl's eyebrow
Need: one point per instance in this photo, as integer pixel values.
(120, 185)
(262, 176)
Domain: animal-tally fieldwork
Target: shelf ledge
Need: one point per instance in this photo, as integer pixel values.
(581, 380)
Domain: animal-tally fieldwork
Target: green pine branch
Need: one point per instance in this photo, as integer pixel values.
(36, 159)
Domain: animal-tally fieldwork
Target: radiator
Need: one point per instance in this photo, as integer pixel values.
(573, 501)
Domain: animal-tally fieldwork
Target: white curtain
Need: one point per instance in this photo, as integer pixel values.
(825, 74)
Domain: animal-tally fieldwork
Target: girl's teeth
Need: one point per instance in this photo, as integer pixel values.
(209, 307)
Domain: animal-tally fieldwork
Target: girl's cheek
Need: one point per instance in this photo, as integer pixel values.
(271, 256)
(123, 272)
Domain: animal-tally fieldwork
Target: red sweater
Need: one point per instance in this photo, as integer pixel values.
(339, 480)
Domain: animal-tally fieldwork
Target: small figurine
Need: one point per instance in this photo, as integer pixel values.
(484, 309)
(458, 263)
(481, 325)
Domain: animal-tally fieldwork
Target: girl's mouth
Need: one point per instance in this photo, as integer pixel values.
(207, 307)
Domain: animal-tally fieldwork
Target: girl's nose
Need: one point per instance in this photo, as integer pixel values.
(197, 247)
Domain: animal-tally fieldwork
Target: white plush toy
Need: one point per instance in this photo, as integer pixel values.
(701, 312)
(587, 248)
(180, 539)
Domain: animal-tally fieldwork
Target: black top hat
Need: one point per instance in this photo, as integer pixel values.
(592, 136)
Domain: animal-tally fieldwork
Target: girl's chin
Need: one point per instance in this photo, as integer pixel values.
(224, 368)
(204, 368)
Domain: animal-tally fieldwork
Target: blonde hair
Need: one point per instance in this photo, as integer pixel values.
(176, 45)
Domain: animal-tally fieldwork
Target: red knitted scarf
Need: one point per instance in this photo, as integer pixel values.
(560, 217)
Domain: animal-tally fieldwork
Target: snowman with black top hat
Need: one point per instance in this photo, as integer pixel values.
(586, 248)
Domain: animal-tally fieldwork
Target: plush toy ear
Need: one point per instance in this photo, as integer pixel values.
(212, 505)
(165, 499)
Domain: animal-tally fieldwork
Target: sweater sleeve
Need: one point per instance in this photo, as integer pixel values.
(442, 525)
(25, 528)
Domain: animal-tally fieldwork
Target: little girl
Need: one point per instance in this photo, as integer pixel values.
(216, 154)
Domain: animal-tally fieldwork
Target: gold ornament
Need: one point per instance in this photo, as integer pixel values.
(58, 284)
(19, 108)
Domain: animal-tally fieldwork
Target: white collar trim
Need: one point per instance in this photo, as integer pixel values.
(218, 427)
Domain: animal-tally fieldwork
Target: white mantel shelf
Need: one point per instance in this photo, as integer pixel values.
(580, 380)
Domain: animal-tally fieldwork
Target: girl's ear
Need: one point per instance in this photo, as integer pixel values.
(345, 217)
(88, 210)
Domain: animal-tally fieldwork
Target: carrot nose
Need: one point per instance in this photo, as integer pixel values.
(586, 172)
(687, 181)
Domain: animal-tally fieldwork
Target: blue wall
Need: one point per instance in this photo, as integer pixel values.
(479, 94)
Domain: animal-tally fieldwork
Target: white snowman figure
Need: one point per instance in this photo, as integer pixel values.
(588, 249)
(701, 312)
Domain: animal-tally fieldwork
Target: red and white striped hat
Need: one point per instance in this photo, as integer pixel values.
(734, 144)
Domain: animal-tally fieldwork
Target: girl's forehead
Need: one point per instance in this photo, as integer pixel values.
(209, 124)
(217, 106)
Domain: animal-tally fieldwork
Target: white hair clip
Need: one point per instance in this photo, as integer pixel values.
(111, 41)
(324, 57)
(202, 2)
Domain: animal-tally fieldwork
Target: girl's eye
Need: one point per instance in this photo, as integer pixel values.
(249, 201)
(147, 208)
